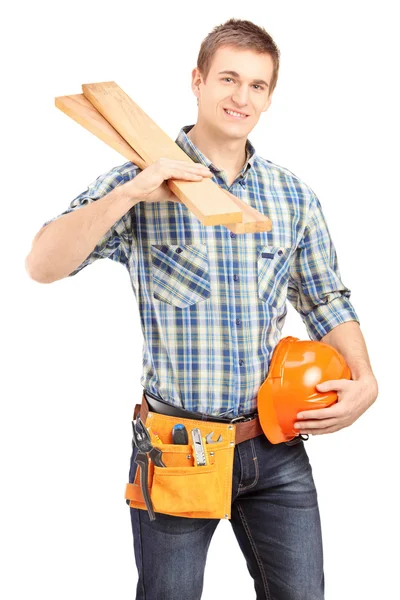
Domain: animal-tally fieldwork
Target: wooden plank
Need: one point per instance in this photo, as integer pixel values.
(205, 199)
(83, 112)
(253, 220)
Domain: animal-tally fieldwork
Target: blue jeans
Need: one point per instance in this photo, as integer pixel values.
(275, 518)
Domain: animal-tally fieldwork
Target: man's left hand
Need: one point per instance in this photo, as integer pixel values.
(354, 398)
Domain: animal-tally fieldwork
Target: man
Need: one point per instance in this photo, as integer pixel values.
(212, 305)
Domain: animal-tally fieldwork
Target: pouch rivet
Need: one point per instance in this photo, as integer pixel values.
(230, 427)
(232, 443)
(149, 415)
(188, 456)
(212, 453)
(226, 516)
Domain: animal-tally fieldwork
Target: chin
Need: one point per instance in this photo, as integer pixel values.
(235, 132)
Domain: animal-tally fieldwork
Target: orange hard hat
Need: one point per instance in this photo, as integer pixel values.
(297, 366)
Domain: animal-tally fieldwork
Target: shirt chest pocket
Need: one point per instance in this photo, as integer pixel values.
(273, 263)
(180, 273)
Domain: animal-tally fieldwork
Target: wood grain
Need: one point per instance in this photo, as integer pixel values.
(210, 204)
(81, 110)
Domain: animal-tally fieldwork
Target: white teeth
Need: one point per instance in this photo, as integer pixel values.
(235, 114)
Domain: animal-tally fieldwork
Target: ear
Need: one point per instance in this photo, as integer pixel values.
(196, 80)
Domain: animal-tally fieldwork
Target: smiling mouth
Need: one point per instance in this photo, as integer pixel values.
(235, 115)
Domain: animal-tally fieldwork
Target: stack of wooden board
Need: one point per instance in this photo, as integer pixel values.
(108, 112)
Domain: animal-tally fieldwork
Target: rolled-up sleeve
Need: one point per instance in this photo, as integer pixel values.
(117, 241)
(315, 287)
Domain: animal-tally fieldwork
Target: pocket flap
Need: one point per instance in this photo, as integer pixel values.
(180, 273)
(273, 264)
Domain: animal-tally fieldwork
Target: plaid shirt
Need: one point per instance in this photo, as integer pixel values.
(212, 304)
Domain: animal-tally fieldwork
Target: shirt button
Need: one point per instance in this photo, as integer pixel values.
(179, 250)
(233, 234)
(238, 321)
(280, 252)
(241, 362)
(236, 277)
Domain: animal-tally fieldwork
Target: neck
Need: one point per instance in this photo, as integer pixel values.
(229, 155)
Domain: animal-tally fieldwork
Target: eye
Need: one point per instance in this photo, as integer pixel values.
(256, 85)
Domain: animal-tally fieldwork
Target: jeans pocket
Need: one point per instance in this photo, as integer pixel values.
(296, 440)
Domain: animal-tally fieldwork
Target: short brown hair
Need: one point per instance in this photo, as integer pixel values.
(242, 34)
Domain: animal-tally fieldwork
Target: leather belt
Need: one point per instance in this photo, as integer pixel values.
(246, 426)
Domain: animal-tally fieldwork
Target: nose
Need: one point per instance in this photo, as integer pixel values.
(240, 96)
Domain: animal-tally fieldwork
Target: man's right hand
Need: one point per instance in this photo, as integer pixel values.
(150, 185)
(70, 239)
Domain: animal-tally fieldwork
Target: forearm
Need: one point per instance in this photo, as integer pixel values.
(66, 242)
(348, 339)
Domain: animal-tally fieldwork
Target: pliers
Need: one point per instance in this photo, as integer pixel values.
(142, 440)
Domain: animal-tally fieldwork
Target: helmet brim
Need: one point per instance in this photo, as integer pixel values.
(267, 414)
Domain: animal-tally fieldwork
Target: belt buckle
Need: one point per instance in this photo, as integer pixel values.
(243, 418)
(239, 418)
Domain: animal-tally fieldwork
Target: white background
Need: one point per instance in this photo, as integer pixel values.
(72, 350)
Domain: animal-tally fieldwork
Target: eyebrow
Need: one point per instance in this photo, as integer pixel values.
(237, 75)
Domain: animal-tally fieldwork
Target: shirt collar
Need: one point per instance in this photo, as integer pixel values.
(195, 154)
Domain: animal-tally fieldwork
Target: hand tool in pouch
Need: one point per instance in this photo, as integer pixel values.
(142, 440)
(179, 434)
(209, 439)
(199, 450)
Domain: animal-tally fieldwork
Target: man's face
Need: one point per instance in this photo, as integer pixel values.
(244, 93)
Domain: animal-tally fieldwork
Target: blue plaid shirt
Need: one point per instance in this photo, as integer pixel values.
(212, 304)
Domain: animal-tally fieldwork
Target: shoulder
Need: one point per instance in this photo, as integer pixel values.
(128, 170)
(123, 172)
(104, 183)
(282, 177)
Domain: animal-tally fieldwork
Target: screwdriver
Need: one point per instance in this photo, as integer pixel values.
(179, 434)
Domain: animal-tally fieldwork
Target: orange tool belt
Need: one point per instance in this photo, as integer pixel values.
(183, 488)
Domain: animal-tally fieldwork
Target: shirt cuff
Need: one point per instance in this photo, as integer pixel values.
(325, 317)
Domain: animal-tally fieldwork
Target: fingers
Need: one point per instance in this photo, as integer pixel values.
(180, 169)
(311, 426)
(190, 172)
(320, 428)
(178, 174)
(335, 410)
(324, 431)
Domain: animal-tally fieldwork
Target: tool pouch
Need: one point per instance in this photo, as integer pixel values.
(182, 488)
